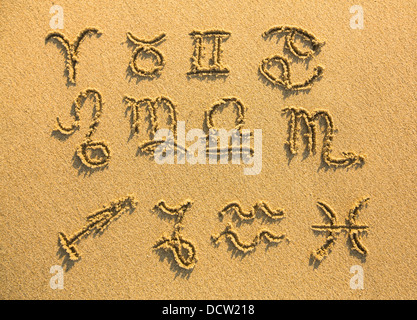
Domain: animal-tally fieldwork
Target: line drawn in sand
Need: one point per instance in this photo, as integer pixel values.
(285, 79)
(151, 105)
(235, 207)
(88, 144)
(215, 67)
(333, 229)
(144, 46)
(212, 138)
(184, 250)
(98, 222)
(71, 49)
(299, 115)
(230, 232)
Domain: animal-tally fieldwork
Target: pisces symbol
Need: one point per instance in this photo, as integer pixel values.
(351, 227)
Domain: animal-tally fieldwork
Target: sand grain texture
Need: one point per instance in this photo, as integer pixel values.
(368, 87)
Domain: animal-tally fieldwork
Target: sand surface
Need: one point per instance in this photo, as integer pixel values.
(368, 87)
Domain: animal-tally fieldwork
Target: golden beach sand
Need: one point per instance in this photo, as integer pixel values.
(368, 88)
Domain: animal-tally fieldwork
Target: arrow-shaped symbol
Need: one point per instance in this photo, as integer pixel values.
(97, 221)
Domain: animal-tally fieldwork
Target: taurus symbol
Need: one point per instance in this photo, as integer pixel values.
(334, 228)
(144, 46)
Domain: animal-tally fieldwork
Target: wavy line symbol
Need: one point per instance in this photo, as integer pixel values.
(262, 206)
(230, 233)
(333, 229)
(184, 251)
(97, 221)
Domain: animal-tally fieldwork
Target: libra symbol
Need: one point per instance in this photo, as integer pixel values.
(333, 229)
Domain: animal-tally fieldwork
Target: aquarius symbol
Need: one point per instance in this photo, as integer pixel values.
(230, 233)
(146, 47)
(97, 221)
(71, 48)
(334, 228)
(262, 206)
(184, 251)
(216, 67)
(88, 143)
(285, 79)
(239, 122)
(150, 145)
(348, 159)
(234, 237)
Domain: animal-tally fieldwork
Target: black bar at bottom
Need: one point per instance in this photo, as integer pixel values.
(195, 309)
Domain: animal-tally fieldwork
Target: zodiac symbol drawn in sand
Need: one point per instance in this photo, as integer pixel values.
(146, 47)
(71, 49)
(88, 144)
(98, 222)
(262, 206)
(333, 229)
(291, 33)
(230, 233)
(285, 80)
(216, 66)
(151, 106)
(234, 237)
(184, 251)
(299, 115)
(239, 122)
